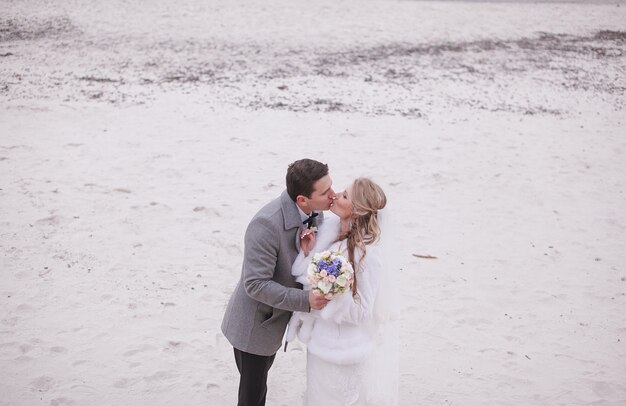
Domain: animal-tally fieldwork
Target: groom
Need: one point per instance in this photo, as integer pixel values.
(261, 305)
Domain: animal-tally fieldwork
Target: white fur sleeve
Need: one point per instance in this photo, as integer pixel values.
(299, 269)
(347, 309)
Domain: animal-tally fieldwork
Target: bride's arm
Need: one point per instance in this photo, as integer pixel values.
(347, 309)
(327, 234)
(300, 265)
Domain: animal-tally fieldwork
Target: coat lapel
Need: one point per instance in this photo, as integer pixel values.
(291, 216)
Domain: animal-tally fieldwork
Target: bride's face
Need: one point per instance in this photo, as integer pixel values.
(343, 204)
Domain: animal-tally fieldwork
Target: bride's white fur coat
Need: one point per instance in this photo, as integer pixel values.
(343, 331)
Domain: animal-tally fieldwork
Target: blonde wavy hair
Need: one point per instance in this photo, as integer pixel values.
(367, 198)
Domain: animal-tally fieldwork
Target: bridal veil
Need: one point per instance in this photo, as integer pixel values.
(382, 368)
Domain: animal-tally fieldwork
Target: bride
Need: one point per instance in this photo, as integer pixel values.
(351, 348)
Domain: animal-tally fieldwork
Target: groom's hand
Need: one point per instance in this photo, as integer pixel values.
(317, 302)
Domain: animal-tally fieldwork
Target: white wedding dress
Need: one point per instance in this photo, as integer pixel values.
(352, 354)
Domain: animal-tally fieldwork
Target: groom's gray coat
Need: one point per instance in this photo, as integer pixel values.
(261, 305)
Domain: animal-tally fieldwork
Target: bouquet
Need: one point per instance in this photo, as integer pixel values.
(330, 274)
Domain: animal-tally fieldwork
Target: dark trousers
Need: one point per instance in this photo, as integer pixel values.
(253, 371)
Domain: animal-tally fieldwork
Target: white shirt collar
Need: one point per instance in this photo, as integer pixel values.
(303, 215)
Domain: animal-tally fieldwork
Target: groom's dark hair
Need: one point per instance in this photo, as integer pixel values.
(302, 175)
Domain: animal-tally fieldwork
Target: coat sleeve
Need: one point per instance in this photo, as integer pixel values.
(259, 264)
(356, 310)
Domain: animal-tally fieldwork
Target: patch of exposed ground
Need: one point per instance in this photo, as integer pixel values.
(53, 59)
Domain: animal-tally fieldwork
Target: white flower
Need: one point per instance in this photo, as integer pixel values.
(324, 286)
(341, 281)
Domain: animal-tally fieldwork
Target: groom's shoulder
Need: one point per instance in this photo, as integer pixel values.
(269, 212)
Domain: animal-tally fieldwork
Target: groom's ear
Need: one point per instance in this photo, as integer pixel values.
(301, 199)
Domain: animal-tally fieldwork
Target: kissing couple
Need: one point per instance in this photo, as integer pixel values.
(290, 277)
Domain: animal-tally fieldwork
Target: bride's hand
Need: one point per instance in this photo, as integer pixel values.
(307, 241)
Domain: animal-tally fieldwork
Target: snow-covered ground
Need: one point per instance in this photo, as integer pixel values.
(138, 138)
